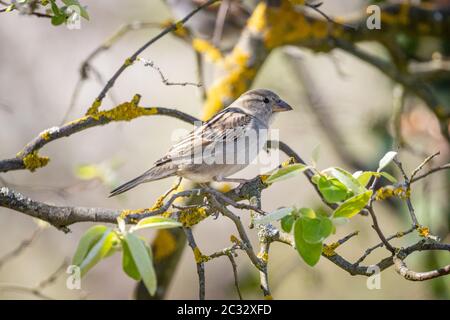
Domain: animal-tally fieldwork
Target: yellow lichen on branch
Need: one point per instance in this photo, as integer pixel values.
(239, 74)
(235, 240)
(206, 48)
(45, 135)
(33, 161)
(424, 231)
(285, 25)
(328, 250)
(391, 191)
(192, 216)
(94, 107)
(271, 27)
(264, 256)
(199, 257)
(125, 213)
(123, 112)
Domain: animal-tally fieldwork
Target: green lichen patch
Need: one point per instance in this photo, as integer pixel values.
(33, 161)
(123, 112)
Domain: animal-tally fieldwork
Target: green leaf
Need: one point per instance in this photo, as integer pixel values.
(287, 222)
(316, 230)
(353, 205)
(389, 177)
(87, 241)
(128, 265)
(286, 172)
(332, 189)
(99, 251)
(364, 177)
(156, 222)
(387, 158)
(55, 8)
(142, 260)
(273, 216)
(307, 212)
(347, 179)
(58, 20)
(310, 253)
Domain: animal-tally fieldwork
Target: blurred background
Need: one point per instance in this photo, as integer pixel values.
(342, 111)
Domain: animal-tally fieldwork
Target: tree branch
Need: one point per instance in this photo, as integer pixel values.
(27, 158)
(402, 269)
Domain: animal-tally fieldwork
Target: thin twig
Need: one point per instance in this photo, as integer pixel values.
(315, 7)
(407, 184)
(235, 274)
(151, 64)
(347, 237)
(433, 170)
(246, 244)
(380, 244)
(200, 264)
(377, 229)
(423, 164)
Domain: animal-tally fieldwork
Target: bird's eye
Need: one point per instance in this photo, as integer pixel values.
(266, 100)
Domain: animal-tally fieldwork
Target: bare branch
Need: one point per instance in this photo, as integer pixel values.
(421, 176)
(381, 244)
(420, 166)
(385, 263)
(199, 262)
(58, 216)
(151, 64)
(407, 184)
(263, 272)
(90, 121)
(402, 269)
(246, 244)
(235, 274)
(377, 229)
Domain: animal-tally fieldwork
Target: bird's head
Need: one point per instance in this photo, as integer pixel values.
(262, 102)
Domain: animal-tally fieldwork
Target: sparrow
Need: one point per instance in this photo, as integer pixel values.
(221, 146)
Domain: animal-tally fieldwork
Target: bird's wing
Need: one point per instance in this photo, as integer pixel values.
(226, 126)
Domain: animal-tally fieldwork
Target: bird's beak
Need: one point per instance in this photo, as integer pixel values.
(281, 106)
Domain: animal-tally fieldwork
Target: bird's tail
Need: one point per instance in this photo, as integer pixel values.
(155, 173)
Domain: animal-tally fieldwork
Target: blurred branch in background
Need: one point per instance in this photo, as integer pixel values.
(21, 247)
(38, 290)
